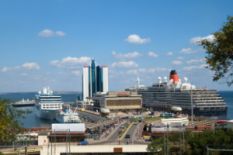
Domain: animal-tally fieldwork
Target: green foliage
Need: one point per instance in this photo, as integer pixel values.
(9, 127)
(156, 145)
(219, 139)
(220, 52)
(195, 143)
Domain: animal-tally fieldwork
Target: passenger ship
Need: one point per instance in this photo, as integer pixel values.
(48, 105)
(169, 93)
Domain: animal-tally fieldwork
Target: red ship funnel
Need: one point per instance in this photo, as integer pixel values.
(174, 76)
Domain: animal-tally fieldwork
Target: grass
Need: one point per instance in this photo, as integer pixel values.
(151, 119)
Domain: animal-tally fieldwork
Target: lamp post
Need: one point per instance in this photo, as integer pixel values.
(191, 97)
(165, 140)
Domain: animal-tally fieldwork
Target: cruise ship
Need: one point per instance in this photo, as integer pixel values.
(167, 94)
(48, 105)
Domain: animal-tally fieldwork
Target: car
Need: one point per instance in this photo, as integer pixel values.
(84, 142)
(127, 136)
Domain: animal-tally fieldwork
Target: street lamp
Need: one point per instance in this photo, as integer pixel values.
(165, 139)
(191, 97)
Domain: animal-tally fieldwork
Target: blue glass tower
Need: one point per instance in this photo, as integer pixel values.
(99, 79)
(93, 76)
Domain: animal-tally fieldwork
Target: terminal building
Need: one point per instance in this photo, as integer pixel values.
(117, 101)
(95, 79)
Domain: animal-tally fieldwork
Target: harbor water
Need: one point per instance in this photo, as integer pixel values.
(31, 120)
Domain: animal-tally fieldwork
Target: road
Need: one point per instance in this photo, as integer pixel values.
(114, 137)
(130, 134)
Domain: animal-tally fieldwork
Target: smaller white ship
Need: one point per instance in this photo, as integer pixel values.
(68, 116)
(23, 103)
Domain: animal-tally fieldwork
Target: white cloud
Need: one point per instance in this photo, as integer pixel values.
(60, 33)
(76, 72)
(30, 66)
(70, 61)
(152, 70)
(177, 62)
(46, 33)
(125, 64)
(5, 69)
(152, 54)
(189, 68)
(24, 74)
(136, 39)
(180, 58)
(198, 40)
(129, 55)
(188, 51)
(169, 53)
(25, 66)
(194, 61)
(146, 70)
(203, 66)
(132, 72)
(192, 67)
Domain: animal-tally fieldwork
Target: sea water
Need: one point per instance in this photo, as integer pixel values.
(31, 120)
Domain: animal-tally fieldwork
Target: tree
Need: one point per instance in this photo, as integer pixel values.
(220, 52)
(156, 145)
(168, 144)
(219, 139)
(9, 126)
(196, 143)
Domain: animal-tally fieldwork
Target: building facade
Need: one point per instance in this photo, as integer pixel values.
(95, 79)
(117, 101)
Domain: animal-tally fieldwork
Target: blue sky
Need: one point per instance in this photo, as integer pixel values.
(46, 43)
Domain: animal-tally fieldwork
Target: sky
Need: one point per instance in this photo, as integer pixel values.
(46, 42)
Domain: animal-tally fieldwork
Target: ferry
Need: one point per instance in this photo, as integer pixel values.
(23, 103)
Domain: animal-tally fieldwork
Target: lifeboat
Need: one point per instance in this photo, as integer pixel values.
(176, 108)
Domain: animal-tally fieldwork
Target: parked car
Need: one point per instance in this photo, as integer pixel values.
(127, 136)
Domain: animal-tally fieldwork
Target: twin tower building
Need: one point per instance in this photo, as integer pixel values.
(95, 79)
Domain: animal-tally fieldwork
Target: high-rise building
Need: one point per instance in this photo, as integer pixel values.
(99, 79)
(85, 82)
(105, 78)
(95, 79)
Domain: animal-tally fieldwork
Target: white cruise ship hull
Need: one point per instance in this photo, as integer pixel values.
(47, 114)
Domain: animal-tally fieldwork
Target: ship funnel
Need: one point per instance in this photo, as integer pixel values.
(174, 77)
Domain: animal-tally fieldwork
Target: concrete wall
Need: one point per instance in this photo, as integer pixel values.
(62, 148)
(43, 140)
